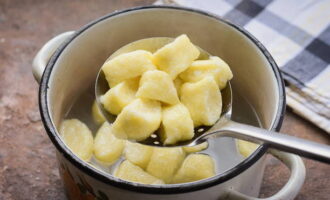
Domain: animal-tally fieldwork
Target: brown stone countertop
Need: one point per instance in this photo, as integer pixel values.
(28, 168)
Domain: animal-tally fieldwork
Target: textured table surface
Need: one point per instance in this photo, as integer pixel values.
(28, 168)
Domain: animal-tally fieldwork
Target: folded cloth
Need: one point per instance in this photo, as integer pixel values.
(297, 34)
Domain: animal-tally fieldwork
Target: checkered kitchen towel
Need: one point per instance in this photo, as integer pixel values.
(297, 34)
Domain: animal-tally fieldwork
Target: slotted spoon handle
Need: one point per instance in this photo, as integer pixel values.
(280, 141)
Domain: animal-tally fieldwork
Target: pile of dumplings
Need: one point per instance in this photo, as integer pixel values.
(168, 92)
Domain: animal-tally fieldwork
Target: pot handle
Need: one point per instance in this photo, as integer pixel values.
(41, 59)
(290, 189)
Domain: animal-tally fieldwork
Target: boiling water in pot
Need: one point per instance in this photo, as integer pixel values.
(223, 149)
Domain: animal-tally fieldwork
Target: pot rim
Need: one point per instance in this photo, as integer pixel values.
(145, 188)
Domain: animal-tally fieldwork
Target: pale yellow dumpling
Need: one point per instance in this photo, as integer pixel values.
(215, 67)
(97, 114)
(177, 124)
(195, 167)
(120, 96)
(130, 172)
(107, 148)
(77, 136)
(225, 72)
(138, 154)
(157, 85)
(138, 120)
(176, 56)
(164, 162)
(196, 148)
(126, 66)
(203, 100)
(245, 148)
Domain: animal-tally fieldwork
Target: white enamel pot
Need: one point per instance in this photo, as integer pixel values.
(68, 64)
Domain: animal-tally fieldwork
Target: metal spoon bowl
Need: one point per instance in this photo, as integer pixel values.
(224, 127)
